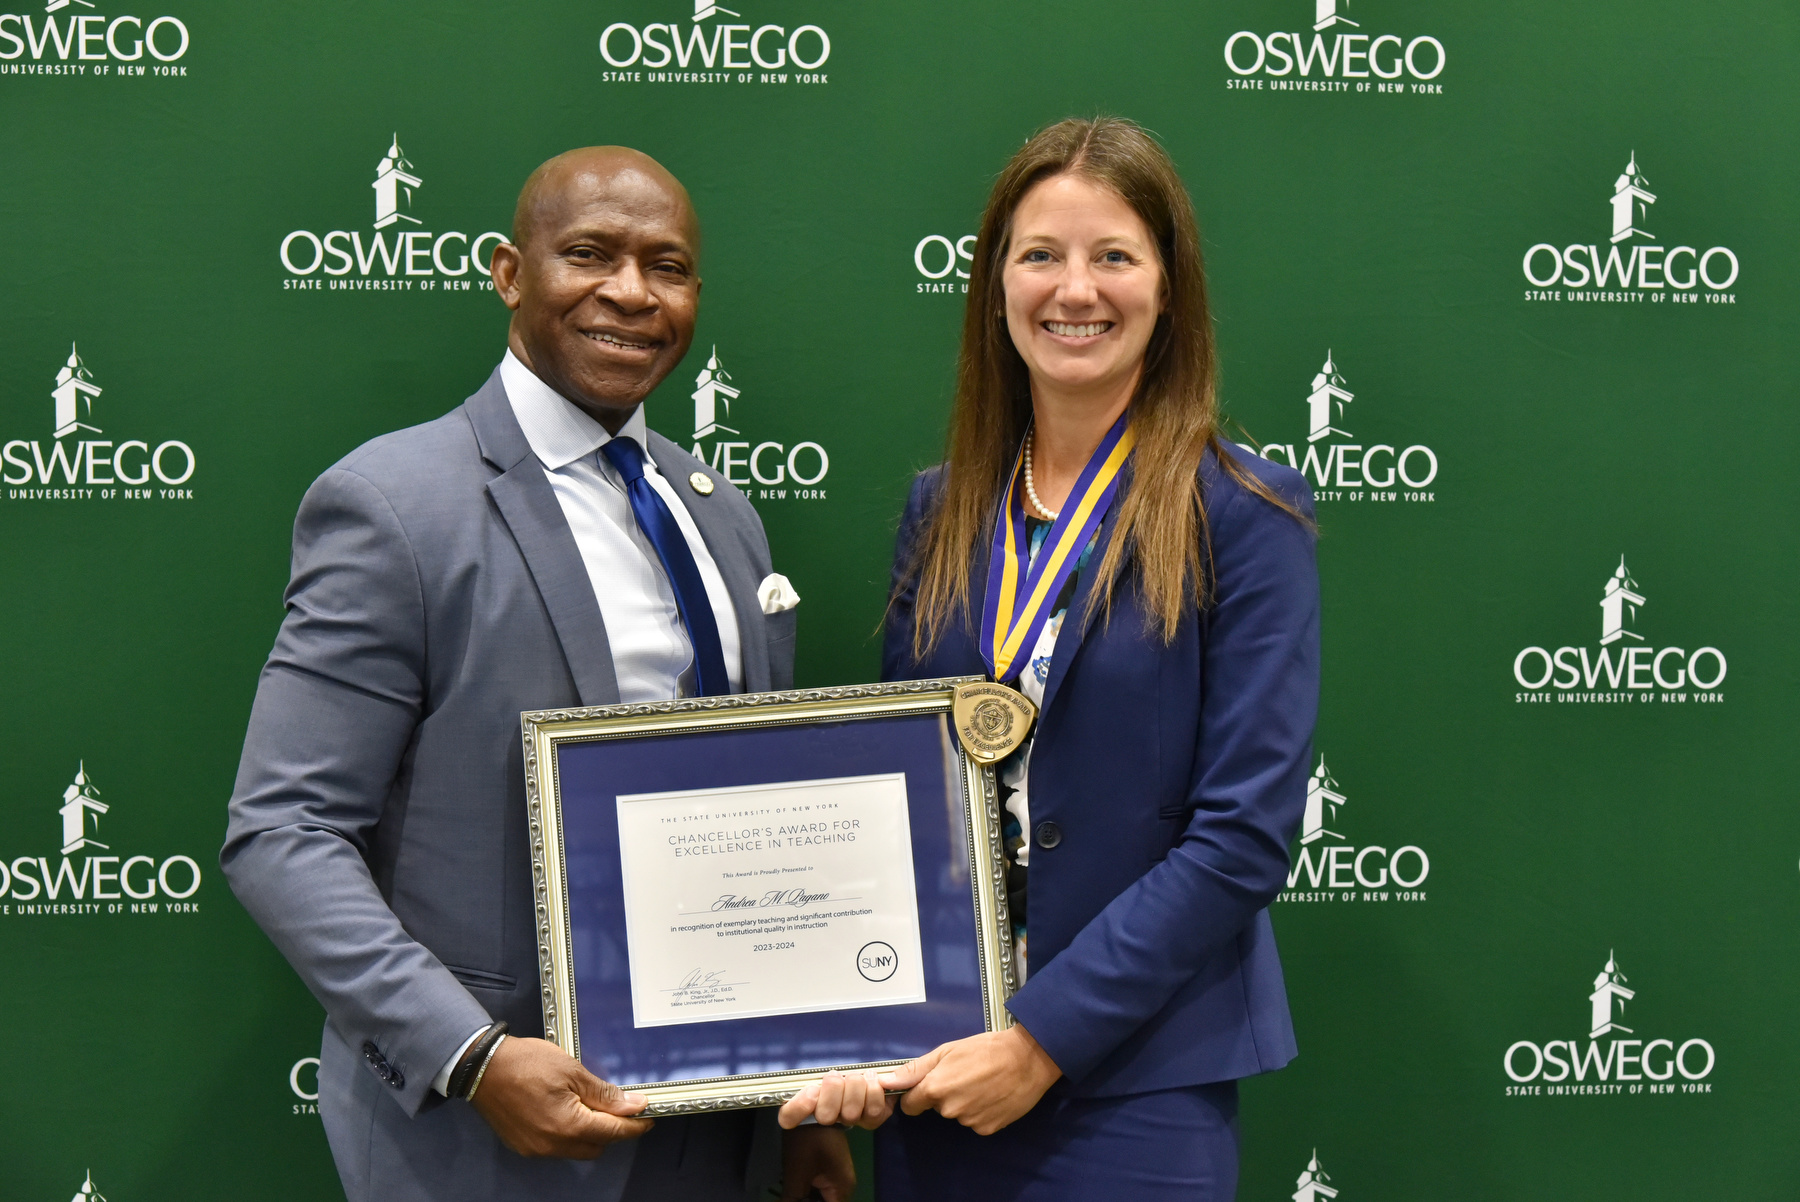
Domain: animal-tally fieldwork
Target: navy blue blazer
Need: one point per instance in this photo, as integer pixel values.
(1177, 774)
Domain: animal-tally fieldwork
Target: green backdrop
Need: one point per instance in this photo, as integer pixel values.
(1600, 847)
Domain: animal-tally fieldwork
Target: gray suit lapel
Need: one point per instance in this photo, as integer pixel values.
(721, 530)
(531, 512)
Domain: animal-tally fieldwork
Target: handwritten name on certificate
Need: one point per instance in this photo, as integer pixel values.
(770, 899)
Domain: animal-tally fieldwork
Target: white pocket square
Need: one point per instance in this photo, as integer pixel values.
(776, 594)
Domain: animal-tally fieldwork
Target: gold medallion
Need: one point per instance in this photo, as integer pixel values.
(991, 719)
(701, 483)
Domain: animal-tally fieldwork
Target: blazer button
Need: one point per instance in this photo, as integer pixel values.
(1048, 835)
(384, 1071)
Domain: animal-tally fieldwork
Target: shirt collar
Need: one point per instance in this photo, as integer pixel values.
(559, 431)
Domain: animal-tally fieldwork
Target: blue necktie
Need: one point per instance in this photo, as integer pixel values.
(659, 525)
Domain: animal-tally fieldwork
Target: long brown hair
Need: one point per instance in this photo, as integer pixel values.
(1161, 521)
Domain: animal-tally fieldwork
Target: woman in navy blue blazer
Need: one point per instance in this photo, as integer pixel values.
(1092, 540)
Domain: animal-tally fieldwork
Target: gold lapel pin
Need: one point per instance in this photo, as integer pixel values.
(702, 483)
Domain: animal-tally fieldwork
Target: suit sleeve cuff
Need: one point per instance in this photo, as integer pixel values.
(441, 1082)
(1056, 1030)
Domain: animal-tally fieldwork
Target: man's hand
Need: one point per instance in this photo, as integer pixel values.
(816, 1158)
(983, 1082)
(835, 1098)
(542, 1102)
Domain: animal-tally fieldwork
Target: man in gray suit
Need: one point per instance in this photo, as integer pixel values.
(536, 547)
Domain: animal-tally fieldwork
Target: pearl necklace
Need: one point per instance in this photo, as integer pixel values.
(1031, 486)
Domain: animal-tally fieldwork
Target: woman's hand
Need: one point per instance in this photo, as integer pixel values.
(855, 1101)
(984, 1082)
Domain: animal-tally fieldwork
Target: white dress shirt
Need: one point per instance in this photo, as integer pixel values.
(652, 657)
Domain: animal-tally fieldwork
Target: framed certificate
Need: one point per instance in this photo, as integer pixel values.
(736, 895)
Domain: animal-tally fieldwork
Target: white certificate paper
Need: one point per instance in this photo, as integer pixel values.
(770, 899)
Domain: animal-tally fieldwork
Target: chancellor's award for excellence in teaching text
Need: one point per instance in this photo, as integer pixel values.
(716, 879)
(739, 894)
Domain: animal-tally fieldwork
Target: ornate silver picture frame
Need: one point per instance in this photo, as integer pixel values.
(702, 828)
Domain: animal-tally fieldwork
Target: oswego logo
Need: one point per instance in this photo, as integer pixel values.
(712, 399)
(87, 1192)
(104, 884)
(71, 466)
(1313, 1182)
(1630, 272)
(80, 801)
(1349, 471)
(1632, 1066)
(394, 184)
(98, 44)
(725, 53)
(1624, 667)
(1372, 63)
(416, 259)
(1336, 870)
(305, 1072)
(783, 473)
(943, 263)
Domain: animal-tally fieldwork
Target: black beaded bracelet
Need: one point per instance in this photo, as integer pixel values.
(468, 1069)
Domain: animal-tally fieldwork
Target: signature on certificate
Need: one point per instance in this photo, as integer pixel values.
(702, 980)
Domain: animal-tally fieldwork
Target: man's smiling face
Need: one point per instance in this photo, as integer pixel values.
(603, 278)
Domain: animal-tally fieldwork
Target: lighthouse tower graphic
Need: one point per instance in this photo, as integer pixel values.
(87, 1192)
(704, 9)
(394, 184)
(74, 392)
(79, 800)
(1329, 396)
(1312, 1182)
(1321, 792)
(1631, 199)
(1619, 606)
(1325, 15)
(712, 398)
(1608, 985)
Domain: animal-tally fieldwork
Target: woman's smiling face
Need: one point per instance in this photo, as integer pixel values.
(1083, 286)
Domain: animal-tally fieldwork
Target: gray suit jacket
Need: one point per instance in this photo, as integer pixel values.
(378, 826)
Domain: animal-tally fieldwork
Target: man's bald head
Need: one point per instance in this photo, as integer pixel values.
(574, 176)
(602, 276)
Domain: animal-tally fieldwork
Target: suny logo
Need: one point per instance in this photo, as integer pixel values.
(71, 467)
(109, 879)
(726, 53)
(1313, 1182)
(1540, 1069)
(782, 473)
(1630, 271)
(1383, 63)
(1367, 473)
(416, 260)
(100, 45)
(941, 262)
(1335, 869)
(1624, 667)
